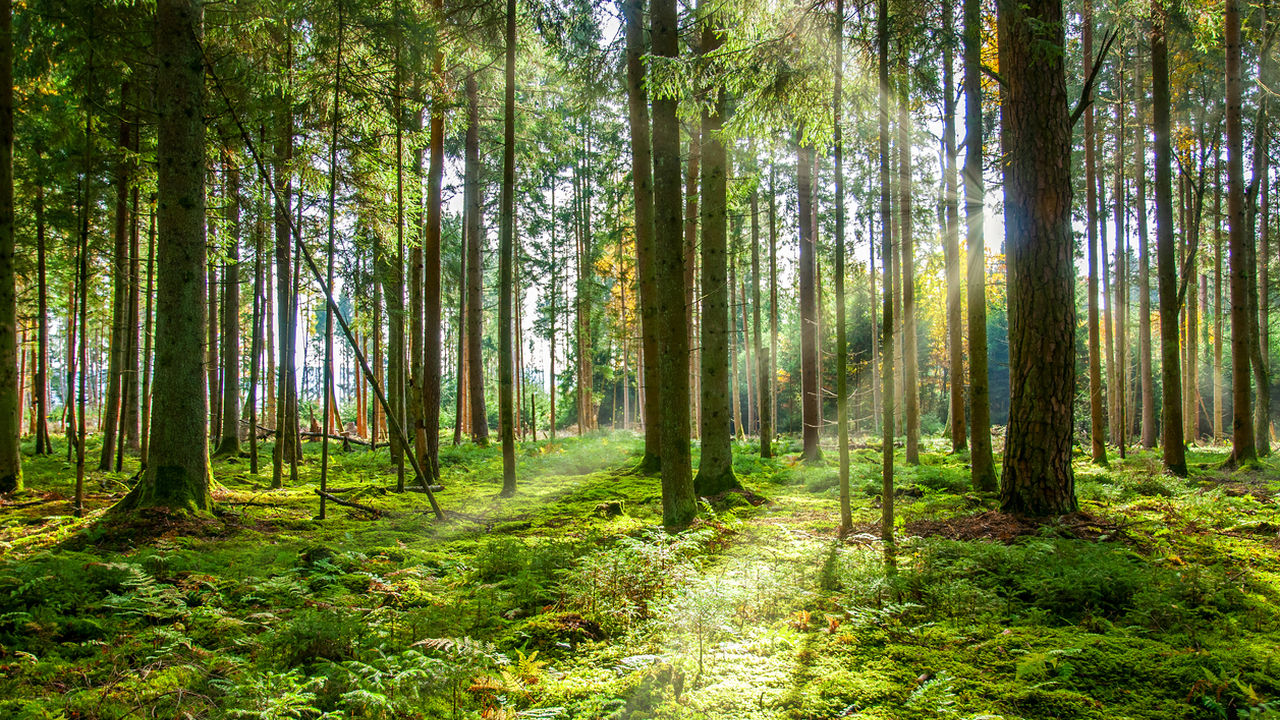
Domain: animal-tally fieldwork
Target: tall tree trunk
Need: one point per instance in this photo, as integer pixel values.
(10, 454)
(128, 436)
(260, 290)
(886, 257)
(1122, 276)
(951, 245)
(119, 291)
(678, 503)
(980, 452)
(642, 193)
(475, 271)
(715, 470)
(1166, 272)
(842, 350)
(1217, 301)
(910, 371)
(212, 343)
(506, 261)
(764, 365)
(1037, 477)
(773, 292)
(147, 337)
(229, 444)
(691, 284)
(1097, 433)
(44, 445)
(177, 474)
(808, 301)
(431, 279)
(287, 447)
(1144, 271)
(329, 402)
(1261, 298)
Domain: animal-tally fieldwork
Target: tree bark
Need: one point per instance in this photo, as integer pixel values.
(177, 474)
(886, 258)
(506, 260)
(808, 302)
(678, 502)
(10, 410)
(1166, 272)
(980, 454)
(119, 291)
(842, 350)
(475, 271)
(1038, 477)
(1148, 413)
(906, 240)
(1097, 433)
(715, 469)
(229, 444)
(431, 266)
(951, 244)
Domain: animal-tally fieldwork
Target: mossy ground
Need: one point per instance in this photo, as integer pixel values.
(1161, 599)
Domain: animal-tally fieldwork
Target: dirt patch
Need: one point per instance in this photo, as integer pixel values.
(1003, 527)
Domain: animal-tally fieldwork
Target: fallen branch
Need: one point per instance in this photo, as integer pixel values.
(307, 434)
(347, 503)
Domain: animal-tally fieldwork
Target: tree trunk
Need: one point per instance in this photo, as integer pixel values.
(1038, 478)
(691, 285)
(886, 258)
(119, 291)
(475, 271)
(44, 445)
(10, 410)
(145, 402)
(177, 474)
(329, 402)
(808, 301)
(1097, 433)
(980, 452)
(229, 444)
(1166, 272)
(910, 371)
(287, 447)
(951, 246)
(1148, 413)
(764, 365)
(1217, 301)
(715, 470)
(431, 279)
(842, 350)
(678, 501)
(506, 260)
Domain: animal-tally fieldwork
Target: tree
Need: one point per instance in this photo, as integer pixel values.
(506, 261)
(177, 474)
(808, 301)
(229, 444)
(473, 235)
(1037, 478)
(906, 245)
(1243, 447)
(1144, 276)
(842, 359)
(642, 193)
(1166, 271)
(715, 468)
(951, 241)
(980, 456)
(678, 501)
(886, 258)
(10, 410)
(1097, 437)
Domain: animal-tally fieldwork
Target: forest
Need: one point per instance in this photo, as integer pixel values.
(638, 359)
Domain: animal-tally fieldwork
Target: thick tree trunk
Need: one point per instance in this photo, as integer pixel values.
(678, 501)
(715, 470)
(980, 453)
(1038, 478)
(177, 474)
(10, 410)
(1166, 272)
(642, 192)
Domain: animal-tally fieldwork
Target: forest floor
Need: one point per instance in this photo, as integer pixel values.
(1159, 599)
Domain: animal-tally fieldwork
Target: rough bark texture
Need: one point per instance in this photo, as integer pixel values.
(1166, 272)
(678, 503)
(287, 447)
(177, 474)
(906, 244)
(431, 277)
(1144, 275)
(764, 365)
(842, 360)
(642, 192)
(980, 455)
(119, 291)
(10, 457)
(715, 467)
(1038, 478)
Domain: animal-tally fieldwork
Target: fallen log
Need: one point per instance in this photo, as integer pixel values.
(347, 503)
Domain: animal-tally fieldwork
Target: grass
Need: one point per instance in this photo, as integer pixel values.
(1159, 600)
